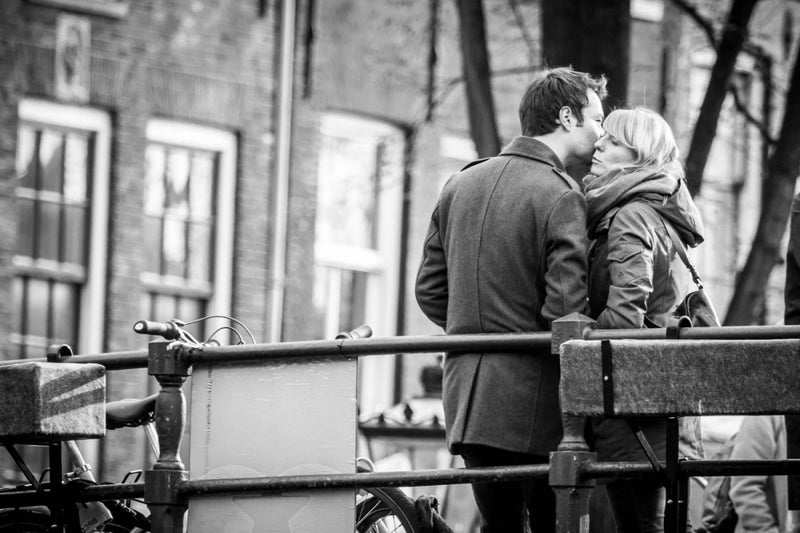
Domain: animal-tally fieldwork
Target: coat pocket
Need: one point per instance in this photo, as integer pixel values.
(628, 262)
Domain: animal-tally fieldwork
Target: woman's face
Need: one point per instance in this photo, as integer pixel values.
(609, 153)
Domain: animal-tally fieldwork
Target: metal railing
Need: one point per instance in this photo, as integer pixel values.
(572, 469)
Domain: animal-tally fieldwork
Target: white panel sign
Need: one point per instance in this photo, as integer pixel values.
(273, 418)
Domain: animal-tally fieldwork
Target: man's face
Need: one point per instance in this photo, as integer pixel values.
(586, 134)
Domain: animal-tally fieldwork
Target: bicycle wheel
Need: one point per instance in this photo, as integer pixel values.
(18, 521)
(386, 510)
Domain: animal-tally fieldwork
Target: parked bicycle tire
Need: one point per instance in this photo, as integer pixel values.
(24, 521)
(387, 510)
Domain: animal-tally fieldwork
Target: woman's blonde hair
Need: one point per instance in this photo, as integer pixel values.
(646, 133)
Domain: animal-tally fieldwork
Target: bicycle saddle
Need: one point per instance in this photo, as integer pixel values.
(130, 412)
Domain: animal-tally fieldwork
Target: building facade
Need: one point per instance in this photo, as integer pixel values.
(277, 162)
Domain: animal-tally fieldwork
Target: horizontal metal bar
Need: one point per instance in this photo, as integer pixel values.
(111, 360)
(721, 333)
(364, 480)
(452, 476)
(515, 342)
(740, 468)
(90, 493)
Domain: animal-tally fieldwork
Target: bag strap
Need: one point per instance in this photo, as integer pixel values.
(679, 247)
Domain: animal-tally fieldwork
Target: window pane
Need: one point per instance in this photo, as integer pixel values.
(155, 160)
(65, 320)
(199, 264)
(74, 235)
(190, 309)
(176, 201)
(321, 298)
(165, 307)
(173, 248)
(38, 299)
(202, 185)
(353, 299)
(75, 168)
(26, 227)
(50, 157)
(346, 191)
(17, 292)
(49, 231)
(26, 148)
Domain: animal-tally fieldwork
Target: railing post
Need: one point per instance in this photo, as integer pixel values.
(167, 507)
(566, 463)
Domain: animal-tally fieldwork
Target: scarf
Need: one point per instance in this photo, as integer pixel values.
(620, 184)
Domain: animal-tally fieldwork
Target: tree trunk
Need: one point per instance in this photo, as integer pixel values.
(477, 75)
(782, 170)
(593, 37)
(705, 129)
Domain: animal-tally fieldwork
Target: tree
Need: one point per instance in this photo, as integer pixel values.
(593, 37)
(477, 75)
(728, 48)
(782, 170)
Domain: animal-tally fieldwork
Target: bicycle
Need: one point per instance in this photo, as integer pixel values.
(378, 510)
(110, 516)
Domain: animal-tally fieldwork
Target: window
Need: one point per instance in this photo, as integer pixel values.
(189, 189)
(62, 194)
(357, 239)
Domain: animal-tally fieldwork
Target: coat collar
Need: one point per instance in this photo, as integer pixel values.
(533, 149)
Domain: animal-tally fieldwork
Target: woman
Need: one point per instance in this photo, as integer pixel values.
(636, 187)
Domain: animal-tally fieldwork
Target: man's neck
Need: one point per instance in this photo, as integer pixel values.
(557, 145)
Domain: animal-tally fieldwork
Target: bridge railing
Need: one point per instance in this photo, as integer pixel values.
(667, 372)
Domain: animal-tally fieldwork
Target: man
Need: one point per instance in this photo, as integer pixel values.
(505, 252)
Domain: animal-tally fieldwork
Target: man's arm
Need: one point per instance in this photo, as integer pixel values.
(431, 285)
(565, 275)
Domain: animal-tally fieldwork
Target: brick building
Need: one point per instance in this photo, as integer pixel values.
(272, 161)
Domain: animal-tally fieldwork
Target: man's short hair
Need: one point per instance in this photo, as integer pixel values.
(551, 90)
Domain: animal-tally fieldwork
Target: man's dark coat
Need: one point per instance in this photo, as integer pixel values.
(505, 252)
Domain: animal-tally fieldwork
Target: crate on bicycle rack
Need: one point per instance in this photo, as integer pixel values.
(43, 402)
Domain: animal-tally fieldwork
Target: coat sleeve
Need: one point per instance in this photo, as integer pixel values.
(792, 293)
(630, 268)
(756, 439)
(431, 284)
(566, 268)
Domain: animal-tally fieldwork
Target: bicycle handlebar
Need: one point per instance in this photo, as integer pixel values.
(361, 332)
(168, 330)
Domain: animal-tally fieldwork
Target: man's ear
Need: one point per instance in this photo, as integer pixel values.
(566, 118)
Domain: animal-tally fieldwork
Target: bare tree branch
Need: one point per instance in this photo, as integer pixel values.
(520, 20)
(758, 124)
(701, 21)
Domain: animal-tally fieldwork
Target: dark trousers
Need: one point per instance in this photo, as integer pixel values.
(637, 505)
(503, 505)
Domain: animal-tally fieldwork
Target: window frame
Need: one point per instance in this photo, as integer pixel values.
(98, 123)
(225, 143)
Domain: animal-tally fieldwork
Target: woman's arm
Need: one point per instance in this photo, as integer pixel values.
(630, 268)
